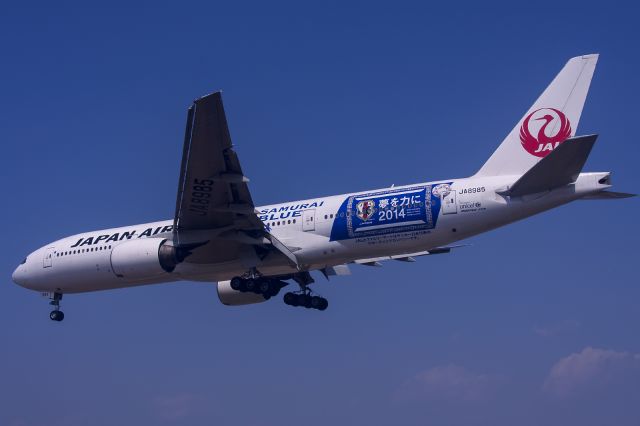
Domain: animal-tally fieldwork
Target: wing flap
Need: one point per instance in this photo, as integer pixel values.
(408, 257)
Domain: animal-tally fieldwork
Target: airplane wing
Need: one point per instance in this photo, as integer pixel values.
(212, 190)
(214, 209)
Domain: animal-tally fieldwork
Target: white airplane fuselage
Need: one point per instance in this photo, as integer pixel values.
(316, 229)
(219, 235)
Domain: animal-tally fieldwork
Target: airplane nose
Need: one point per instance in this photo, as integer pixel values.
(18, 276)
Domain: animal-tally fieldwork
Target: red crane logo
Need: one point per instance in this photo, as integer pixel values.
(548, 138)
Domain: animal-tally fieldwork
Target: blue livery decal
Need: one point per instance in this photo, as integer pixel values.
(291, 211)
(390, 211)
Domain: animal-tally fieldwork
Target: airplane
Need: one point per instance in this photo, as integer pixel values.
(251, 252)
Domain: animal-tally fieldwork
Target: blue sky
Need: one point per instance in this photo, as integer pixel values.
(535, 323)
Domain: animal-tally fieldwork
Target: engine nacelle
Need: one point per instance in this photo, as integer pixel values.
(231, 297)
(143, 259)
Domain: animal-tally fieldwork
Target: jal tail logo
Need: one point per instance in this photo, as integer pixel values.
(550, 127)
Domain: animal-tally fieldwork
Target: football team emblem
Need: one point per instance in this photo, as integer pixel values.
(441, 190)
(366, 209)
(550, 127)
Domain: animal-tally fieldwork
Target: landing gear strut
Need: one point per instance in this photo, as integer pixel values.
(56, 314)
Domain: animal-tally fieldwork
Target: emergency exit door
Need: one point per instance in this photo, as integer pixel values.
(449, 205)
(309, 220)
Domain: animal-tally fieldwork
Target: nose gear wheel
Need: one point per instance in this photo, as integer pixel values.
(56, 314)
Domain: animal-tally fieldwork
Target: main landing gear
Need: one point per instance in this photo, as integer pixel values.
(305, 299)
(56, 314)
(267, 287)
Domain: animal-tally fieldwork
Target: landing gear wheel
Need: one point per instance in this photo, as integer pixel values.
(324, 304)
(56, 316)
(266, 288)
(251, 285)
(318, 303)
(304, 300)
(237, 284)
(291, 299)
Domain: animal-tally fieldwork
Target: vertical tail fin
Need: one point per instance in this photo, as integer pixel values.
(551, 120)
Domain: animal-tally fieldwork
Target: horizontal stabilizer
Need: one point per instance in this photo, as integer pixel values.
(608, 195)
(561, 167)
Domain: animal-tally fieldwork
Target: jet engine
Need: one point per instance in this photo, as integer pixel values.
(144, 259)
(231, 297)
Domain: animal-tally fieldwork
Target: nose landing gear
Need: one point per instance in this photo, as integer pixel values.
(56, 314)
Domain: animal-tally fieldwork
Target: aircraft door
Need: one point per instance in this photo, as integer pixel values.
(449, 205)
(48, 257)
(309, 220)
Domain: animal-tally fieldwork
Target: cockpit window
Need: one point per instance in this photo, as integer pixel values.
(24, 261)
